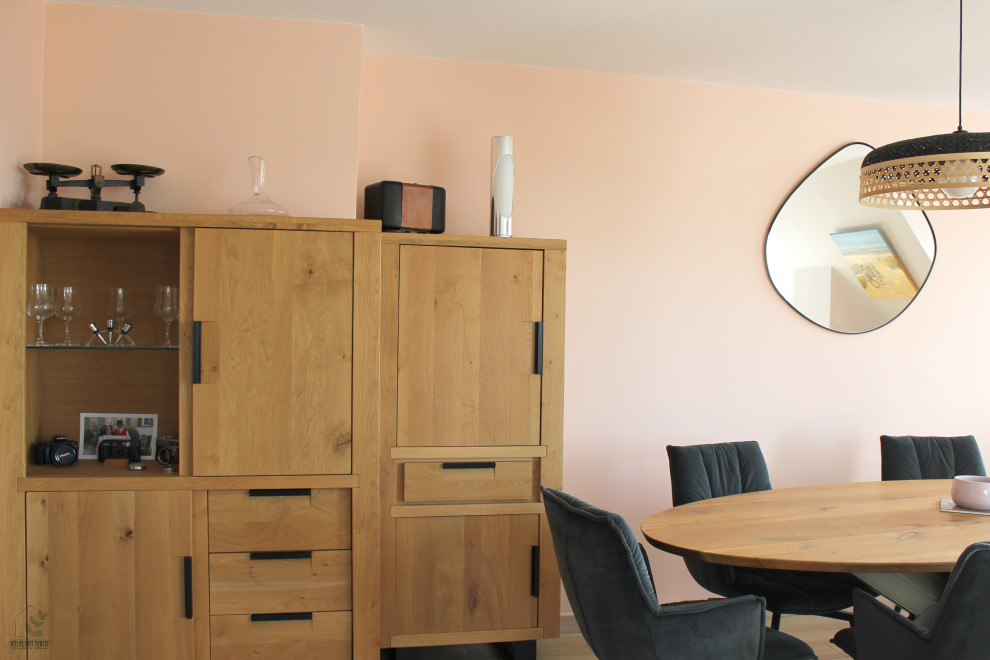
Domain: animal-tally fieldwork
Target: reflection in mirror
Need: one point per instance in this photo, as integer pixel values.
(847, 267)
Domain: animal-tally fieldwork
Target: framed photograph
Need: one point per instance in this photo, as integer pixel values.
(137, 427)
(874, 264)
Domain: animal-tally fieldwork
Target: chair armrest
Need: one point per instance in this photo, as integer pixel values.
(882, 633)
(683, 630)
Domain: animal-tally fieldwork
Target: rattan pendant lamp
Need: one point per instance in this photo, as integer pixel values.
(938, 172)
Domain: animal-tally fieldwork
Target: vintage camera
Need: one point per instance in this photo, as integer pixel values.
(59, 451)
(168, 452)
(129, 449)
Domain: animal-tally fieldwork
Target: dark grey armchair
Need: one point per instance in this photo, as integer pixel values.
(929, 457)
(959, 630)
(701, 472)
(606, 576)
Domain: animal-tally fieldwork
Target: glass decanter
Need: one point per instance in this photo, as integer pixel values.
(258, 203)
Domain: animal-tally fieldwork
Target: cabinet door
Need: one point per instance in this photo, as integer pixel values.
(465, 573)
(467, 346)
(106, 575)
(274, 311)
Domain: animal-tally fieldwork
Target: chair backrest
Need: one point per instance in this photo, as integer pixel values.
(701, 472)
(919, 457)
(959, 629)
(605, 575)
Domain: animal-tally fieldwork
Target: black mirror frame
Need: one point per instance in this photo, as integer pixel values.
(766, 237)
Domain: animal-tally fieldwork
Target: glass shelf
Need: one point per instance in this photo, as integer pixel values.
(59, 347)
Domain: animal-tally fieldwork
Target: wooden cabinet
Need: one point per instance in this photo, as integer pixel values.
(469, 322)
(109, 575)
(476, 572)
(472, 376)
(363, 423)
(273, 312)
(280, 574)
(274, 388)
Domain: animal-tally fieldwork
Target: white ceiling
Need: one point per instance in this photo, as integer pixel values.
(896, 50)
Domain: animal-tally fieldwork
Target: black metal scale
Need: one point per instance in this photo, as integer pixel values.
(96, 183)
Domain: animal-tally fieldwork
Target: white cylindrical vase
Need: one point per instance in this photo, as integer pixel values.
(503, 181)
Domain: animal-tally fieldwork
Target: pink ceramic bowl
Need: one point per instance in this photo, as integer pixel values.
(971, 492)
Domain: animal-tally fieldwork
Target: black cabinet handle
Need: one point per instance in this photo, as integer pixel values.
(538, 358)
(283, 616)
(187, 585)
(197, 352)
(280, 492)
(534, 576)
(476, 465)
(289, 554)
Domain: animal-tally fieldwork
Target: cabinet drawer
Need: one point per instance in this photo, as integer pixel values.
(243, 583)
(324, 636)
(470, 481)
(278, 520)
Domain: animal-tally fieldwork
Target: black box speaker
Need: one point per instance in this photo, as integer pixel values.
(406, 206)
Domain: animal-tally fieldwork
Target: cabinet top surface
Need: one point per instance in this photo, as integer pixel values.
(407, 238)
(176, 220)
(166, 221)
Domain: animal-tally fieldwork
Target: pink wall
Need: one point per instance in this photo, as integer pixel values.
(674, 334)
(664, 191)
(196, 95)
(21, 45)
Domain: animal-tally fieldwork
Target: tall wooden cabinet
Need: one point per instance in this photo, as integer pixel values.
(472, 376)
(265, 540)
(363, 423)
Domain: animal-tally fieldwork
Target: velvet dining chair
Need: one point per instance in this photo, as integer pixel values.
(700, 472)
(929, 457)
(607, 579)
(958, 631)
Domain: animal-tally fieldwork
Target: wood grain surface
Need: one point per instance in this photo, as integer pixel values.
(107, 570)
(276, 310)
(242, 523)
(326, 637)
(240, 584)
(869, 527)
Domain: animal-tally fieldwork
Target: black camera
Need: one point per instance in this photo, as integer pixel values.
(168, 452)
(59, 451)
(129, 449)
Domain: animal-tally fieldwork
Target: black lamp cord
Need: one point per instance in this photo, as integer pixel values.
(960, 129)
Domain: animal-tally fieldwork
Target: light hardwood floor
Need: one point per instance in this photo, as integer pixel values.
(815, 630)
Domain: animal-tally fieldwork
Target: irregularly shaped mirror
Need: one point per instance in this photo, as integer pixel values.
(847, 267)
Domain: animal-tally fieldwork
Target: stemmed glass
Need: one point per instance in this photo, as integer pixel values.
(167, 308)
(118, 308)
(40, 306)
(67, 308)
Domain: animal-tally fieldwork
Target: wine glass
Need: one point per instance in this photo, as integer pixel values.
(167, 308)
(67, 307)
(40, 306)
(118, 306)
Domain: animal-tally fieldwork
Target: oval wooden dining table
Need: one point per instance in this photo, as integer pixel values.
(867, 527)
